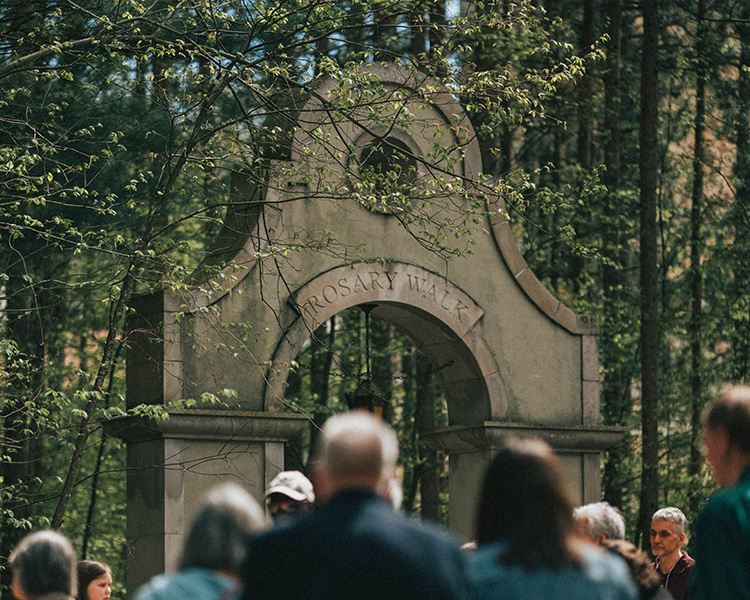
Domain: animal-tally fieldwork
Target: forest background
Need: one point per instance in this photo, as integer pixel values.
(616, 133)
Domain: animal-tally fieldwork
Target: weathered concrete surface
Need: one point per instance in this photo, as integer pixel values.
(518, 357)
(173, 463)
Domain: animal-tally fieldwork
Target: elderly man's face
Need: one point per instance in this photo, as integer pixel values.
(281, 506)
(664, 539)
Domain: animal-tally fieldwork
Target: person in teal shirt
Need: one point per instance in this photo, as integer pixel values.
(528, 546)
(214, 550)
(721, 536)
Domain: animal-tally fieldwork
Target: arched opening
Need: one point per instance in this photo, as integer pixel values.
(440, 321)
(389, 156)
(384, 171)
(328, 372)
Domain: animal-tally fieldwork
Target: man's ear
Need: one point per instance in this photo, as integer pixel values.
(320, 481)
(383, 488)
(16, 589)
(682, 539)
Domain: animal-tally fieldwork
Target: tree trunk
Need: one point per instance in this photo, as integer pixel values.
(321, 359)
(649, 274)
(740, 212)
(429, 480)
(616, 400)
(418, 29)
(438, 24)
(382, 359)
(696, 271)
(586, 89)
(385, 38)
(322, 48)
(91, 513)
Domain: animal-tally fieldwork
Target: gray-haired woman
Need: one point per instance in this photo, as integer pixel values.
(43, 567)
(214, 550)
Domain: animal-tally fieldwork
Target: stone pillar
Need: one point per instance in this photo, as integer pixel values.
(172, 463)
(472, 447)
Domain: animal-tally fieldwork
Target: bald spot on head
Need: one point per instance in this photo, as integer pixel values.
(357, 450)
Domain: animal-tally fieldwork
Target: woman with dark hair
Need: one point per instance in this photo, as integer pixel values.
(94, 580)
(528, 546)
(43, 567)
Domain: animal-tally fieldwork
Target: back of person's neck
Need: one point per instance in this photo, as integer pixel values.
(334, 487)
(735, 467)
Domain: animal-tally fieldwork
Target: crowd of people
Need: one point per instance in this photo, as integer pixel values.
(342, 539)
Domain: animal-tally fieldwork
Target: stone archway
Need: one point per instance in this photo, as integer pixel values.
(523, 363)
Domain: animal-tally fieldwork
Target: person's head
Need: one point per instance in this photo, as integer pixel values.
(43, 563)
(290, 492)
(667, 531)
(526, 503)
(218, 535)
(94, 580)
(599, 521)
(727, 434)
(647, 580)
(355, 450)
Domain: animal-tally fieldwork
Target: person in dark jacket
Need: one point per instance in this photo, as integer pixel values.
(355, 546)
(672, 564)
(290, 494)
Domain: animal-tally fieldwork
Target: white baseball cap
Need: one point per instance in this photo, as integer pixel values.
(292, 484)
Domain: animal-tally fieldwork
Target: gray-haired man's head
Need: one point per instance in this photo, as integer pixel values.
(600, 521)
(667, 533)
(672, 514)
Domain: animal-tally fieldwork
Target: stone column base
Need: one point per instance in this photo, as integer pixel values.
(471, 449)
(172, 463)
